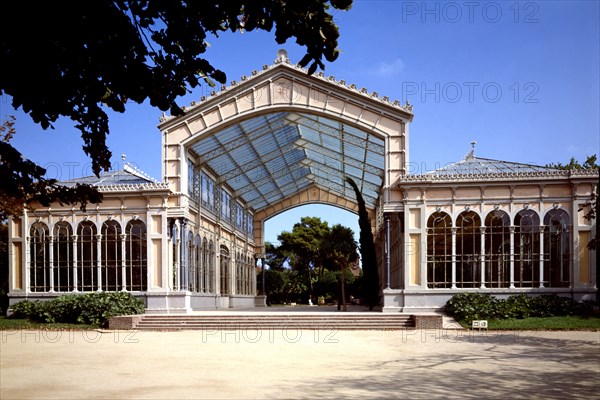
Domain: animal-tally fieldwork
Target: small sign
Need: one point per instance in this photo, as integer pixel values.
(480, 324)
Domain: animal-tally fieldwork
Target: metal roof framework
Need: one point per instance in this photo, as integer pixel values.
(271, 157)
(472, 165)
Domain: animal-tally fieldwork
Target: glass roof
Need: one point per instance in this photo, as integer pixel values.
(270, 157)
(472, 165)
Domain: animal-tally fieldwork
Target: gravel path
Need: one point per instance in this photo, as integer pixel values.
(298, 364)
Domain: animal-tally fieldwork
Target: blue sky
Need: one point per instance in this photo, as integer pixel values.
(520, 78)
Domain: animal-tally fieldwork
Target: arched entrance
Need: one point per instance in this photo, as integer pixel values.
(274, 141)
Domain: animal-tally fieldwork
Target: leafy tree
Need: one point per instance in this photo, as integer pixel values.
(304, 245)
(340, 247)
(275, 257)
(23, 183)
(367, 251)
(589, 163)
(77, 60)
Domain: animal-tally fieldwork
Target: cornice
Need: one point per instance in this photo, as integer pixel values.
(499, 176)
(206, 102)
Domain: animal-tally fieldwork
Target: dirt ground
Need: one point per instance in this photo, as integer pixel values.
(298, 364)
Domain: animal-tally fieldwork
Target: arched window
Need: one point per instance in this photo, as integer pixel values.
(527, 249)
(175, 257)
(87, 257)
(468, 250)
(198, 258)
(136, 274)
(63, 257)
(39, 264)
(238, 274)
(439, 250)
(557, 247)
(497, 249)
(191, 262)
(112, 256)
(224, 269)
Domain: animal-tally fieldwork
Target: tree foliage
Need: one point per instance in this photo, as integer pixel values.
(367, 250)
(23, 182)
(340, 247)
(77, 60)
(589, 163)
(304, 245)
(307, 257)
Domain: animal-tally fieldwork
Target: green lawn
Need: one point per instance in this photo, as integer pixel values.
(547, 323)
(12, 324)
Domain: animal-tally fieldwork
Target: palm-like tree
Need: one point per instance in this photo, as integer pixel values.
(341, 249)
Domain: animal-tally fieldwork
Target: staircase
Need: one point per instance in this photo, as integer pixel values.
(276, 321)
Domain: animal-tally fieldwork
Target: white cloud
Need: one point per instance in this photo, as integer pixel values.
(389, 68)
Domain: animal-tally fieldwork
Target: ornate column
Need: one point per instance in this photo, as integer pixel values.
(387, 218)
(182, 250)
(99, 262)
(482, 256)
(123, 262)
(75, 265)
(51, 262)
(262, 261)
(512, 257)
(453, 230)
(542, 256)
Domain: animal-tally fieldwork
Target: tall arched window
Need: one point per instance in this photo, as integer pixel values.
(198, 262)
(191, 262)
(224, 269)
(527, 249)
(238, 274)
(136, 275)
(468, 250)
(497, 249)
(63, 257)
(439, 250)
(211, 268)
(112, 256)
(39, 264)
(87, 257)
(557, 247)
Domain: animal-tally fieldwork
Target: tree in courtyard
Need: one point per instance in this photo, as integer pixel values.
(367, 250)
(77, 60)
(304, 246)
(340, 248)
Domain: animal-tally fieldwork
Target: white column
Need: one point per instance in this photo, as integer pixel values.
(176, 267)
(453, 230)
(51, 262)
(75, 272)
(541, 256)
(99, 262)
(123, 263)
(512, 257)
(482, 256)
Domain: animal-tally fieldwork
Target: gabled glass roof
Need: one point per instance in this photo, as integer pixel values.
(270, 157)
(472, 165)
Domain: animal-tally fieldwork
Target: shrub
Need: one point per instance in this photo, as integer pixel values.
(471, 306)
(91, 308)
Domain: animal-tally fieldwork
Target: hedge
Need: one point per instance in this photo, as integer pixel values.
(90, 308)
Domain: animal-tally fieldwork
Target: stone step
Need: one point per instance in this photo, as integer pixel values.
(258, 322)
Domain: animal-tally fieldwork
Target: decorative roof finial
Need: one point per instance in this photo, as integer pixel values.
(282, 55)
(471, 154)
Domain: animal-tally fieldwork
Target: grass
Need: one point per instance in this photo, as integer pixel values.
(547, 323)
(15, 324)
